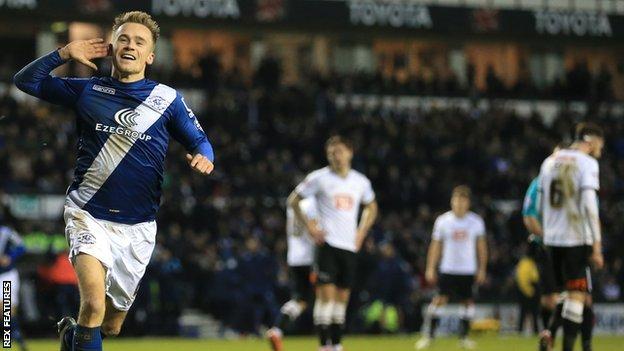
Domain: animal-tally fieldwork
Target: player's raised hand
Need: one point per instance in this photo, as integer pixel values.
(315, 232)
(200, 163)
(84, 51)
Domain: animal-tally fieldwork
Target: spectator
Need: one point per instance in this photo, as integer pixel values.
(390, 286)
(527, 279)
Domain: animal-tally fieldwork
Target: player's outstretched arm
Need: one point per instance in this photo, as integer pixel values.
(187, 130)
(35, 78)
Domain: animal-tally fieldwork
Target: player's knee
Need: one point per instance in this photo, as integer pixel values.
(326, 297)
(326, 292)
(92, 307)
(110, 329)
(572, 310)
(343, 295)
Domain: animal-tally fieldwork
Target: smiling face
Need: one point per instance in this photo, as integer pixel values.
(133, 49)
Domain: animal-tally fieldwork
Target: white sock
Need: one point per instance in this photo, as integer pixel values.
(323, 312)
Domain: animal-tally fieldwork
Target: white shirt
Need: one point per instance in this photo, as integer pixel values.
(561, 211)
(300, 244)
(459, 241)
(338, 201)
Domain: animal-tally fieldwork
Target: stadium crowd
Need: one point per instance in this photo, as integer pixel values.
(221, 240)
(577, 82)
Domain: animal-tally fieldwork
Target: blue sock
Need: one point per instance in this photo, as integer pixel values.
(87, 339)
(68, 338)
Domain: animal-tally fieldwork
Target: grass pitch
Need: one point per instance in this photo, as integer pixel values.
(354, 343)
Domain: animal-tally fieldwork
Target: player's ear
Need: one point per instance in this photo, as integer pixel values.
(150, 58)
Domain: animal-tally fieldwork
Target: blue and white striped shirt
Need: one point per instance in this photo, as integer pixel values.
(124, 131)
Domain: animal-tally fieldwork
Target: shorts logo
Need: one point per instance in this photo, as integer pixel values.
(126, 117)
(86, 238)
(105, 90)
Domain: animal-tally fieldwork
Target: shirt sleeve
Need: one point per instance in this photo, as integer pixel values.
(309, 208)
(438, 233)
(530, 205)
(591, 178)
(35, 79)
(369, 193)
(480, 227)
(185, 128)
(309, 187)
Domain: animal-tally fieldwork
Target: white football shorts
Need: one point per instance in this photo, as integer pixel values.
(124, 250)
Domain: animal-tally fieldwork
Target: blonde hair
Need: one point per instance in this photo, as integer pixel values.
(462, 190)
(338, 139)
(139, 17)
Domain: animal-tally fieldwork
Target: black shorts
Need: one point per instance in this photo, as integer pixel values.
(457, 286)
(571, 267)
(335, 266)
(547, 283)
(302, 283)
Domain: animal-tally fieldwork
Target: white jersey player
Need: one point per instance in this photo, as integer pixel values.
(300, 257)
(339, 191)
(564, 177)
(125, 124)
(338, 200)
(569, 181)
(459, 238)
